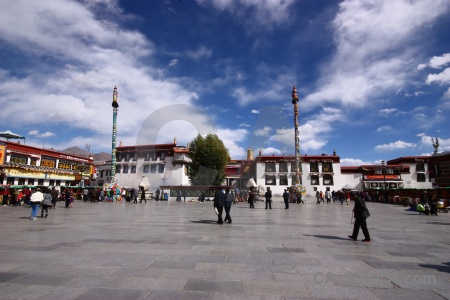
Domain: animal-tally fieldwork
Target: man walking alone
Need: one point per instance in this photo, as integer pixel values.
(229, 199)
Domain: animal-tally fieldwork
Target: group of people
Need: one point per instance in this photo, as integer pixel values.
(223, 199)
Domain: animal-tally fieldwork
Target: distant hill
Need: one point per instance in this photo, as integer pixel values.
(102, 156)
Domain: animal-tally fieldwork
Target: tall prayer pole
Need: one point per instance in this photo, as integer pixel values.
(115, 105)
(296, 187)
(297, 139)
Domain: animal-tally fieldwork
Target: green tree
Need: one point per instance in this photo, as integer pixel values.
(209, 159)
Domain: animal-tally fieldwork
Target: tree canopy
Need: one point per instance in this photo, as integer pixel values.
(209, 159)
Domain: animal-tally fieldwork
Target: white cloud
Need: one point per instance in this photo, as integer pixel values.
(201, 52)
(444, 144)
(354, 162)
(263, 131)
(255, 12)
(255, 111)
(388, 110)
(231, 138)
(88, 62)
(369, 62)
(37, 134)
(395, 145)
(271, 151)
(384, 129)
(440, 78)
(439, 61)
(173, 62)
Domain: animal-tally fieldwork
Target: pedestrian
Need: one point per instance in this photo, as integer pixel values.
(35, 200)
(162, 194)
(361, 213)
(6, 194)
(184, 195)
(318, 197)
(219, 202)
(143, 195)
(46, 204)
(178, 196)
(67, 198)
(268, 196)
(54, 193)
(286, 199)
(328, 196)
(251, 197)
(85, 195)
(157, 194)
(229, 199)
(135, 194)
(20, 196)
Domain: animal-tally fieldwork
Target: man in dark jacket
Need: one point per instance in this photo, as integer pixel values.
(219, 202)
(268, 196)
(361, 213)
(229, 199)
(286, 199)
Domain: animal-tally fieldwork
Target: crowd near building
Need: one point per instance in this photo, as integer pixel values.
(165, 166)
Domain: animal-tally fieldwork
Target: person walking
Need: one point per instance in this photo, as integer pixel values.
(143, 195)
(286, 199)
(251, 197)
(20, 196)
(229, 199)
(268, 196)
(184, 195)
(67, 198)
(135, 195)
(35, 200)
(328, 196)
(157, 194)
(219, 202)
(361, 213)
(178, 196)
(54, 193)
(318, 197)
(46, 204)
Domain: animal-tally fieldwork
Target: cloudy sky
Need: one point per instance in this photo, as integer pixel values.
(373, 76)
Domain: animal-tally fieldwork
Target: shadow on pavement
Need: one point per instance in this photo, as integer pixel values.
(328, 237)
(205, 221)
(440, 268)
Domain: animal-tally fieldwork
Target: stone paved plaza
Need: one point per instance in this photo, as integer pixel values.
(170, 250)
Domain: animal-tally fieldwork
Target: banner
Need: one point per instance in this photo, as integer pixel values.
(2, 154)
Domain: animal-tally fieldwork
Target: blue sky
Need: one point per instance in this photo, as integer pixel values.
(373, 76)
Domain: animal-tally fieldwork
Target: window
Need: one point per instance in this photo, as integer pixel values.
(270, 167)
(52, 183)
(125, 169)
(146, 168)
(327, 167)
(10, 180)
(101, 174)
(152, 168)
(147, 156)
(314, 179)
(420, 167)
(33, 162)
(161, 168)
(133, 169)
(58, 182)
(327, 179)
(283, 167)
(134, 156)
(21, 181)
(119, 157)
(163, 155)
(41, 182)
(18, 159)
(127, 157)
(154, 157)
(270, 180)
(118, 169)
(31, 181)
(421, 177)
(314, 166)
(283, 180)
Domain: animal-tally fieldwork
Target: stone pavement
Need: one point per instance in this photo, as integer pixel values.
(170, 250)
